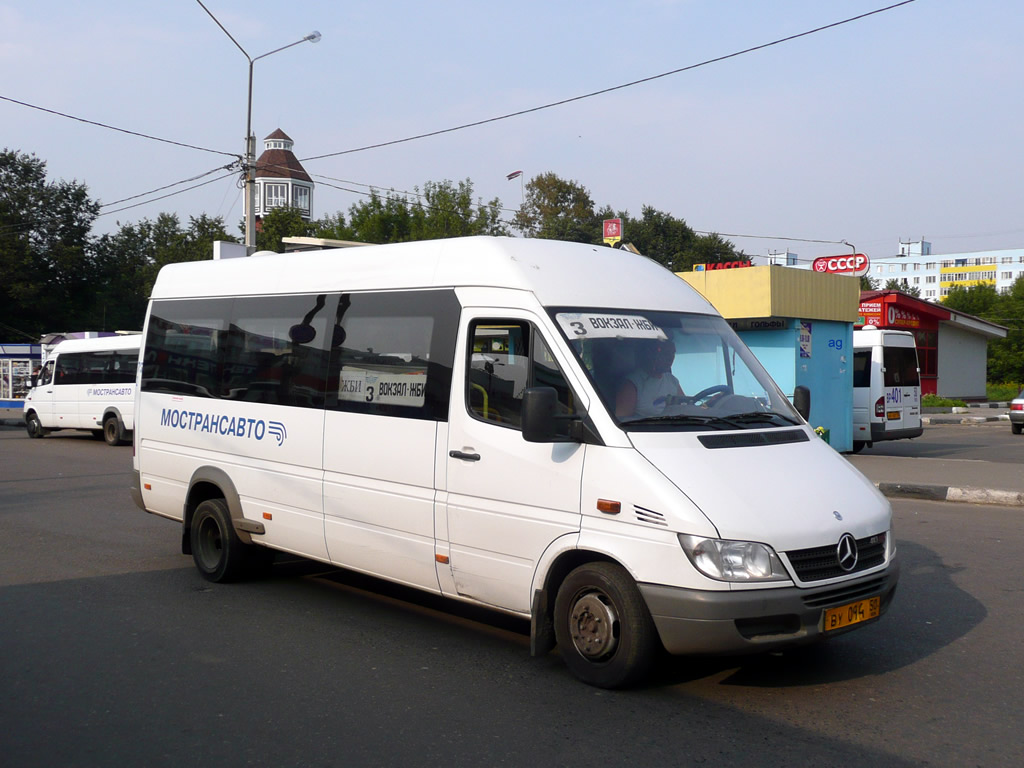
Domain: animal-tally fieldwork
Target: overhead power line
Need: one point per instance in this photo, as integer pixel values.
(171, 194)
(115, 128)
(604, 91)
(229, 166)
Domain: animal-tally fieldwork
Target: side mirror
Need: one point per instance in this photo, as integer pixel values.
(539, 420)
(802, 401)
(32, 381)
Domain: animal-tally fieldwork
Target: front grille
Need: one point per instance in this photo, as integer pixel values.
(848, 593)
(819, 563)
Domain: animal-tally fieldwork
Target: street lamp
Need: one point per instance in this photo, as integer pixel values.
(249, 161)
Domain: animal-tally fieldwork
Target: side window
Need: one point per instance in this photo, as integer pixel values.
(275, 350)
(392, 353)
(95, 366)
(46, 375)
(259, 349)
(506, 357)
(69, 369)
(862, 368)
(184, 346)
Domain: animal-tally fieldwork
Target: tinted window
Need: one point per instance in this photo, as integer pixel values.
(900, 367)
(184, 346)
(68, 367)
(275, 350)
(862, 369)
(255, 349)
(392, 353)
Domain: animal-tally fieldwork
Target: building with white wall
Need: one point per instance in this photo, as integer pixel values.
(934, 274)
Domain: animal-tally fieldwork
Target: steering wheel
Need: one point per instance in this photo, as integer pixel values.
(704, 394)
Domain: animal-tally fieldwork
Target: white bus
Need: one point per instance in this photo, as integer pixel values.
(566, 433)
(886, 387)
(86, 384)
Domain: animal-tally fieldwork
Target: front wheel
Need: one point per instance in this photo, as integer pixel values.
(34, 426)
(604, 631)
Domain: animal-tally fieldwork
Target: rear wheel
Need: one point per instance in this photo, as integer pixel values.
(1016, 428)
(858, 446)
(217, 551)
(604, 630)
(112, 430)
(34, 426)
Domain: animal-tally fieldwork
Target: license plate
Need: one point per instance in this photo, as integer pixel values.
(893, 415)
(852, 613)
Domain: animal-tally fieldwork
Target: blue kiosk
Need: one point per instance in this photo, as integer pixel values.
(799, 324)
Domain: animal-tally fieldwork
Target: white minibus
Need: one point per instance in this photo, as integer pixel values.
(886, 387)
(86, 384)
(562, 432)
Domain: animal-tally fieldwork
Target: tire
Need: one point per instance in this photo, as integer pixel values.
(1016, 428)
(604, 631)
(112, 430)
(858, 446)
(217, 551)
(34, 426)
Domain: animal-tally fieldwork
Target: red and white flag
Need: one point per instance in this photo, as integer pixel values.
(514, 175)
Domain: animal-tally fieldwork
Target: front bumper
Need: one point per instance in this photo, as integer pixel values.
(756, 620)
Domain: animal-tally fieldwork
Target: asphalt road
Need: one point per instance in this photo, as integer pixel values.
(113, 651)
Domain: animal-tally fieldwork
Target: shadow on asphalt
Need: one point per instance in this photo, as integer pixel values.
(928, 613)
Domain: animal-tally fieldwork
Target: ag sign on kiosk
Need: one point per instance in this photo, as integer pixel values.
(854, 265)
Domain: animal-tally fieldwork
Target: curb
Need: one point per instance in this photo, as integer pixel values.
(958, 419)
(928, 492)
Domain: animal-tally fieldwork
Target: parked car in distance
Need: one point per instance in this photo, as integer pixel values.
(1017, 413)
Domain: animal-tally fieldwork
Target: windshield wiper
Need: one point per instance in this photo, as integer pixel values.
(685, 419)
(734, 421)
(761, 417)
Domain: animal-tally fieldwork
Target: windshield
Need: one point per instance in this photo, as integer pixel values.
(673, 370)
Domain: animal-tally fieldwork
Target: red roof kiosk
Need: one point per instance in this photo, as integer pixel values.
(952, 346)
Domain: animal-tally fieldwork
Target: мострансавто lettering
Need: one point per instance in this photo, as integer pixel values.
(194, 421)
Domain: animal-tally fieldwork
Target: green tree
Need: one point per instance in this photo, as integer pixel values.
(279, 223)
(127, 261)
(978, 300)
(442, 209)
(557, 209)
(332, 227)
(44, 248)
(381, 219)
(868, 283)
(894, 284)
(447, 210)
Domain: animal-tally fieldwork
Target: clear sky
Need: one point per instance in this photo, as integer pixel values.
(900, 125)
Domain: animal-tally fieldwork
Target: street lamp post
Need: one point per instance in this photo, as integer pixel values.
(249, 160)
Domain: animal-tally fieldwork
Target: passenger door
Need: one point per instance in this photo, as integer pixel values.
(507, 499)
(390, 380)
(43, 396)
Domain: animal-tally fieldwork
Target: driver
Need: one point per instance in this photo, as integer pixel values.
(651, 387)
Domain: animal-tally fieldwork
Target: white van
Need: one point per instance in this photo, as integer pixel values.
(886, 387)
(86, 384)
(454, 415)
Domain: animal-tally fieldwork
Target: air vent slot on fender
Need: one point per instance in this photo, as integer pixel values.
(645, 515)
(750, 439)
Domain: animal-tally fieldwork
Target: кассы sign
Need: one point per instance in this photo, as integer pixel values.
(855, 264)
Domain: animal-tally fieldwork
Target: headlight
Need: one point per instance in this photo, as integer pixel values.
(733, 560)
